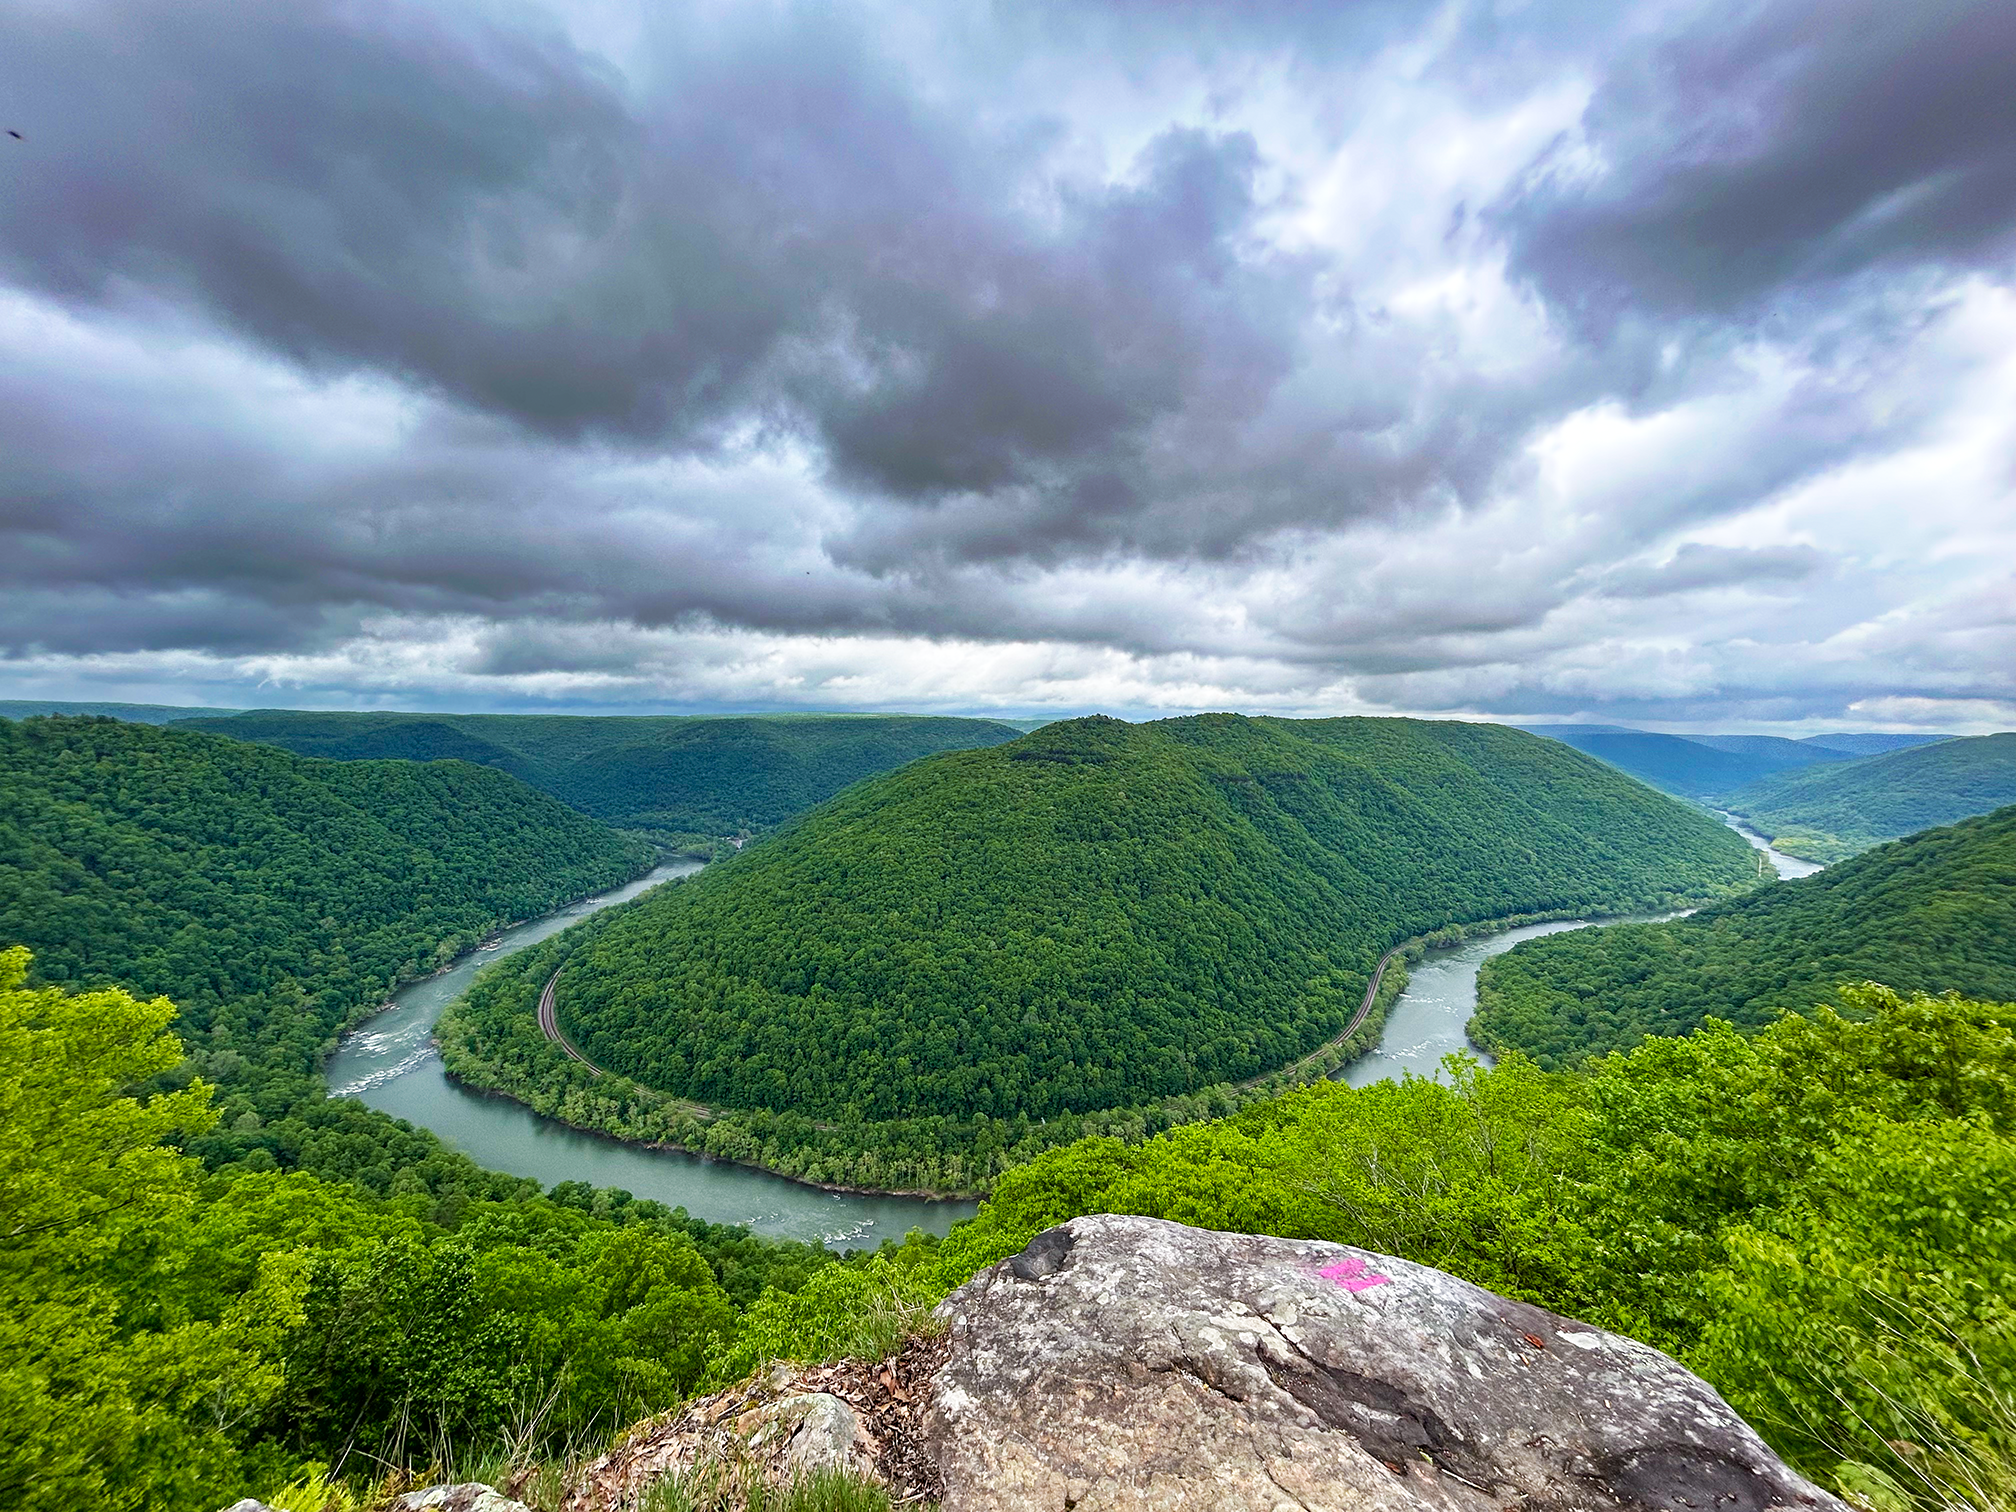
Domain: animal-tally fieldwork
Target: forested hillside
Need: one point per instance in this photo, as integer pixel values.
(1694, 767)
(673, 775)
(170, 1339)
(1103, 914)
(271, 897)
(319, 1280)
(1830, 812)
(1816, 1218)
(1935, 912)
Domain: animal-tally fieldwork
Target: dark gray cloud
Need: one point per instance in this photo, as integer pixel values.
(777, 233)
(1159, 331)
(1768, 149)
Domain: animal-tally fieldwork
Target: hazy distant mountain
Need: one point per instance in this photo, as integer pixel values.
(684, 774)
(1785, 754)
(1563, 731)
(1711, 766)
(1672, 763)
(132, 713)
(1828, 812)
(1873, 745)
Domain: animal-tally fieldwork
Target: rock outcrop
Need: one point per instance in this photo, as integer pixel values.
(1131, 1363)
(776, 1427)
(466, 1496)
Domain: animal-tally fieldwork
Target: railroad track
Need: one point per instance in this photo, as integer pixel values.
(549, 1023)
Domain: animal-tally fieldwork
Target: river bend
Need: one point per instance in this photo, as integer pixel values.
(390, 1063)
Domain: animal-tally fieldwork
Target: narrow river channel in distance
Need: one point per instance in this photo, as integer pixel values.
(390, 1063)
(1427, 1021)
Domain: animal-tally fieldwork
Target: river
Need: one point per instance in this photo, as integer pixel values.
(390, 1063)
(1789, 867)
(1427, 1020)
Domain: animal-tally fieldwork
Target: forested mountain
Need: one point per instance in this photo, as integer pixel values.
(673, 774)
(1776, 750)
(176, 862)
(270, 897)
(172, 1338)
(335, 1280)
(1873, 744)
(1834, 811)
(1102, 914)
(1935, 912)
(1690, 766)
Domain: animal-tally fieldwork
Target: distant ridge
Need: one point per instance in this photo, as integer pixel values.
(1874, 744)
(1711, 766)
(1825, 813)
(673, 774)
(1684, 767)
(132, 713)
(1927, 913)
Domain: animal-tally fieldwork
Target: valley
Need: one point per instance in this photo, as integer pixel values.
(1830, 812)
(1169, 872)
(1929, 913)
(1096, 928)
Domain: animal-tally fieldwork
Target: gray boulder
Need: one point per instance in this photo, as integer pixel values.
(1131, 1363)
(468, 1496)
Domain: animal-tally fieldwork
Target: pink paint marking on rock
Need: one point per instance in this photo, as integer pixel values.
(1351, 1274)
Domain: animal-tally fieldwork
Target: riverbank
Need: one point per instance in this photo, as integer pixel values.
(390, 1062)
(463, 948)
(493, 1041)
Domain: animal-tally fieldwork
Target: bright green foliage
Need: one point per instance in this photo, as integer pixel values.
(865, 1309)
(170, 1340)
(406, 1346)
(1872, 1318)
(1929, 913)
(1100, 914)
(1464, 1176)
(684, 775)
(95, 1411)
(719, 1488)
(1826, 813)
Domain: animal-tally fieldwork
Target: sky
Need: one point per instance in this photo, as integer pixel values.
(1640, 363)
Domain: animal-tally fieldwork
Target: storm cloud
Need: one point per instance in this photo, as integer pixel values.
(1312, 358)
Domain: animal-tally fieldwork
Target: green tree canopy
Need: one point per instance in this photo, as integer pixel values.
(1101, 914)
(1929, 913)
